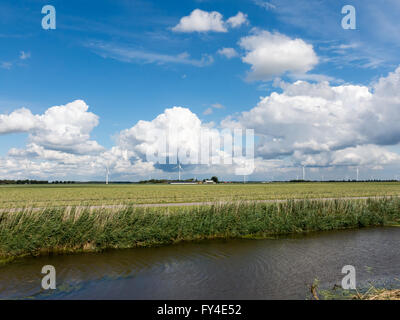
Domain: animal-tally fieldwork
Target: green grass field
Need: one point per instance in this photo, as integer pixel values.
(59, 195)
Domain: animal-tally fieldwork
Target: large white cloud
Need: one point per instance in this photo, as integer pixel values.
(319, 124)
(204, 21)
(179, 127)
(381, 125)
(179, 135)
(21, 120)
(61, 128)
(67, 128)
(363, 155)
(273, 54)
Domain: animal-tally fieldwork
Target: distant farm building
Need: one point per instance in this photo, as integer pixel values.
(209, 182)
(183, 183)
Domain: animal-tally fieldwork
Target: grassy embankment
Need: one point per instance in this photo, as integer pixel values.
(77, 229)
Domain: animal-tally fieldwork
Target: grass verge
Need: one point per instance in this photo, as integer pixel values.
(77, 229)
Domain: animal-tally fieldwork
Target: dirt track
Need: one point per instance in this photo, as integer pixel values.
(191, 204)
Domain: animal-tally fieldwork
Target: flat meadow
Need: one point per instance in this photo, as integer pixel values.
(17, 196)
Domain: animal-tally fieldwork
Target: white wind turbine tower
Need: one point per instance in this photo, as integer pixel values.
(107, 173)
(179, 167)
(179, 170)
(358, 173)
(304, 173)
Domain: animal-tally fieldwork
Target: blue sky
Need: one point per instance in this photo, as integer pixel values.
(129, 61)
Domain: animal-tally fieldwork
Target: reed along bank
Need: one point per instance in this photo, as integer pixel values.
(78, 229)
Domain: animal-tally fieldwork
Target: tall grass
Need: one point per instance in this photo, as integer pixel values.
(31, 232)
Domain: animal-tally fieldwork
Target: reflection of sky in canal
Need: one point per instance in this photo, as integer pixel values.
(231, 269)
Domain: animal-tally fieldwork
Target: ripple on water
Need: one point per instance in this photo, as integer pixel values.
(230, 269)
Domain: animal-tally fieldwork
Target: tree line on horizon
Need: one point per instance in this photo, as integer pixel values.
(28, 181)
(156, 181)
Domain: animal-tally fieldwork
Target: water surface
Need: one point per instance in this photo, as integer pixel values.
(220, 269)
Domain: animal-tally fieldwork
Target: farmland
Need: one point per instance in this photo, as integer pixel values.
(128, 194)
(74, 218)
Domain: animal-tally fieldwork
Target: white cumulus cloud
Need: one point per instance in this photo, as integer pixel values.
(61, 128)
(201, 21)
(21, 120)
(179, 134)
(320, 124)
(238, 20)
(182, 126)
(228, 52)
(204, 21)
(274, 54)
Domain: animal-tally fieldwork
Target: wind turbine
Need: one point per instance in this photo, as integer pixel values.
(179, 167)
(304, 173)
(357, 173)
(107, 173)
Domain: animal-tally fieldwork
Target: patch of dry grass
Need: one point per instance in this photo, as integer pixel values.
(378, 294)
